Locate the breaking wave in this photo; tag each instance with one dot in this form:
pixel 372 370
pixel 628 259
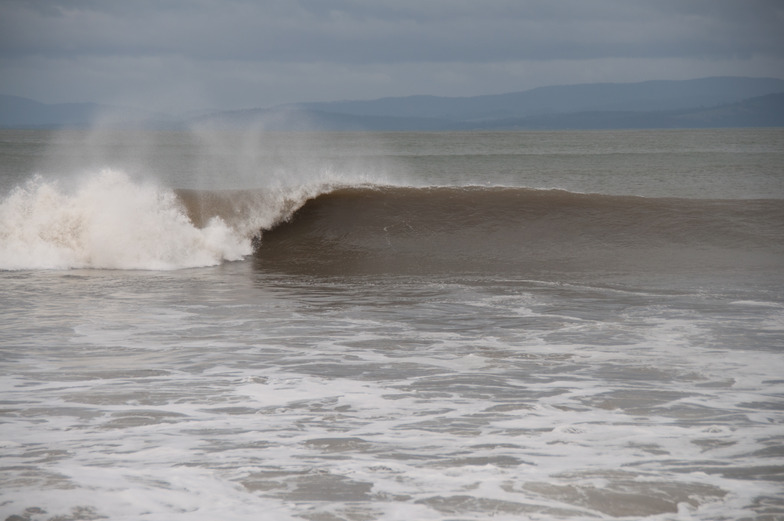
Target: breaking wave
pixel 110 221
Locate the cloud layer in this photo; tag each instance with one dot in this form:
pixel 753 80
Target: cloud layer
pixel 180 54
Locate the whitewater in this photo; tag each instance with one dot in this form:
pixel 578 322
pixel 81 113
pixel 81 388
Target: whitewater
pixel 471 325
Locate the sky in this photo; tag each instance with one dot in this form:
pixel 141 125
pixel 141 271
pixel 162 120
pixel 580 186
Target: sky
pixel 182 55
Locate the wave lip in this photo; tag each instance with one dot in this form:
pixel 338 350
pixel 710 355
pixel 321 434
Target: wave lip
pixel 108 222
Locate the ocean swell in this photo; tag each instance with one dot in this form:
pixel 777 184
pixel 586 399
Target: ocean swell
pixel 110 221
pixel 480 229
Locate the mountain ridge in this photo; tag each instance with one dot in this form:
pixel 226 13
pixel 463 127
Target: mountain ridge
pixel 647 95
pixel 718 101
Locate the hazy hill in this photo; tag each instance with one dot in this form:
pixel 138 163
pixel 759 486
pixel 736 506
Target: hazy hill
pixel 644 96
pixel 19 112
pixel 301 119
pixel 707 102
pixel 760 111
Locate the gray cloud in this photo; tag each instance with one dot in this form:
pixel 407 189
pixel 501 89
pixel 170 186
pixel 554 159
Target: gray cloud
pixel 233 53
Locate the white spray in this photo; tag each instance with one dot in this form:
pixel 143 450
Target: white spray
pixel 108 221
pixel 93 208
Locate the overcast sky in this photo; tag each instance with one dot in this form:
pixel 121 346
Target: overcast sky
pixel 176 55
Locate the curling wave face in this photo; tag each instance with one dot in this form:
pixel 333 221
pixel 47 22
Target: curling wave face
pixel 477 229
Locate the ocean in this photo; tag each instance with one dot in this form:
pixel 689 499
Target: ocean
pixel 249 325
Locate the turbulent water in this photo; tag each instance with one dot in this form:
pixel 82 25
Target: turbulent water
pixel 445 326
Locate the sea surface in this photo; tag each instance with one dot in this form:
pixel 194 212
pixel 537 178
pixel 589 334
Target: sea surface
pixel 245 325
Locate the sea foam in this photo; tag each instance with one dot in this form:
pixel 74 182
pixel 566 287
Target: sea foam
pixel 108 221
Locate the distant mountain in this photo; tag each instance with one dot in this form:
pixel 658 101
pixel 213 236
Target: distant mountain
pixel 644 96
pixel 707 102
pixel 292 118
pixel 760 111
pixel 19 112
